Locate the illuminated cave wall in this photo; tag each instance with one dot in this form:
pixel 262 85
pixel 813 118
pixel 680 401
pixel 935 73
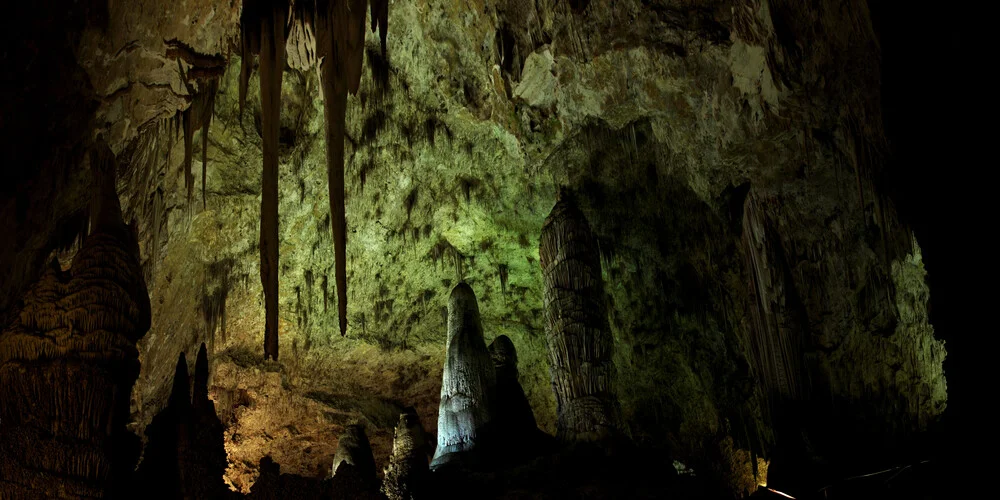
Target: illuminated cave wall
pixel 664 120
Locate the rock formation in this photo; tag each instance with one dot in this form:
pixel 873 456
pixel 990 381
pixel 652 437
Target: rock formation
pixel 353 448
pixel 407 471
pixel 264 30
pixel 512 412
pixel 185 454
pixel 468 382
pixel 68 362
pixel 577 331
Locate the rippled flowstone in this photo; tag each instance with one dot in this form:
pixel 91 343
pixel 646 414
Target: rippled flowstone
pixel 68 362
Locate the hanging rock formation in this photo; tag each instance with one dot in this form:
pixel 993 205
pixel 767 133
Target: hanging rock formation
pixel 577 331
pixel 68 362
pixel 468 382
pixel 264 29
pixel 407 470
pixel 340 43
pixel 185 455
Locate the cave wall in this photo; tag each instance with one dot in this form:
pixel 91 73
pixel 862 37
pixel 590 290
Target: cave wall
pixel 655 115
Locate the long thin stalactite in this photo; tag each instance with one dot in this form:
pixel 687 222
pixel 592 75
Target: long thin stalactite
pixel 265 29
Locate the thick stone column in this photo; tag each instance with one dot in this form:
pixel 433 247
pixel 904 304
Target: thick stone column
pixel 468 382
pixel 577 331
pixel 68 362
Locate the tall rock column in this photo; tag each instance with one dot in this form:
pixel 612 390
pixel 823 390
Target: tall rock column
pixel 468 382
pixel 577 332
pixel 68 362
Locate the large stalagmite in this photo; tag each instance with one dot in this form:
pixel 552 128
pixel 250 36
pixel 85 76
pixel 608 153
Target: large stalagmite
pixel 468 382
pixel 577 331
pixel 68 362
pixel 185 454
pixel 513 413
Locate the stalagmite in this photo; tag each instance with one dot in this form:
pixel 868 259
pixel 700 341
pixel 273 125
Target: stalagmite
pixel 513 415
pixel 353 448
pixel 185 455
pixel 68 362
pixel 468 382
pixel 407 470
pixel 264 30
pixel 577 331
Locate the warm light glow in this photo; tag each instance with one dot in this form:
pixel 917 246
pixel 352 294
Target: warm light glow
pixel 762 472
pixel 786 495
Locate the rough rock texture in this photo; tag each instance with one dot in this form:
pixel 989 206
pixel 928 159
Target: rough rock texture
pixel 658 111
pixel 468 384
pixel 353 448
pixel 406 475
pixel 577 331
pixel 68 360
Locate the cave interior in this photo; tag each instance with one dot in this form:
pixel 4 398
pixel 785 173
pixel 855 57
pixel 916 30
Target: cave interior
pixel 415 249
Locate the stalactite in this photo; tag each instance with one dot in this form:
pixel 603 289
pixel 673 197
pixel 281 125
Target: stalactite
pixel 340 39
pixel 264 31
pixel 206 124
pixel 772 350
pixel 187 118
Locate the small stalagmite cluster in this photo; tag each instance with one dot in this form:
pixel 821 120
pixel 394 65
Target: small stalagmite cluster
pixel 577 331
pixel 69 360
pixel 185 453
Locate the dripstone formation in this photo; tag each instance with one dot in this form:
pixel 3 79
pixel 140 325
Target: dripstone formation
pixel 407 471
pixel 354 449
pixel 513 416
pixel 185 454
pixel 68 362
pixel 577 332
pixel 468 382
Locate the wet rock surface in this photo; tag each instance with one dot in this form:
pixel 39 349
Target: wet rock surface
pixel 465 122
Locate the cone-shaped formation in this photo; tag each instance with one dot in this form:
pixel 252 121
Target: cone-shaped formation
pixel 513 415
pixel 185 454
pixel 68 362
pixel 468 382
pixel 406 474
pixel 198 116
pixel 264 29
pixel 577 332
pixel 354 449
pixel 340 43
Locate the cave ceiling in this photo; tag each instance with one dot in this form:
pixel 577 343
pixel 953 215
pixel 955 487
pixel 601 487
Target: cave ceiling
pixel 726 154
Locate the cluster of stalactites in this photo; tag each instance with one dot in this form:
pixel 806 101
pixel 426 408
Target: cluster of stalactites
pixel 772 349
pixel 331 31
